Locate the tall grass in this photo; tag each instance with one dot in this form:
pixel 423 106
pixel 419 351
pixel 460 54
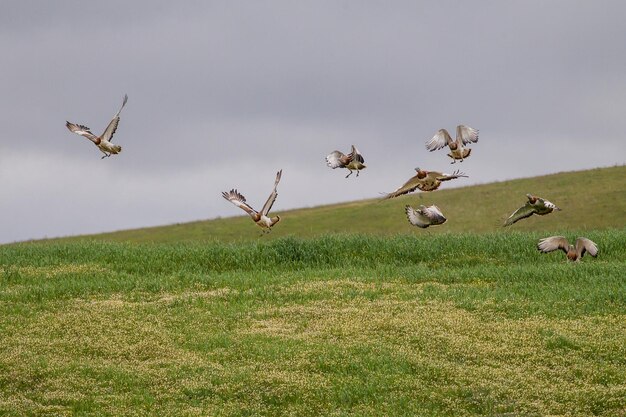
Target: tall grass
pixel 339 250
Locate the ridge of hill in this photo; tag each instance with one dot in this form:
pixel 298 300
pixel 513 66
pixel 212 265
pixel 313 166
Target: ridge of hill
pixel 476 208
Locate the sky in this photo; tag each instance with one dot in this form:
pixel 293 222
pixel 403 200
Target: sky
pixel 224 94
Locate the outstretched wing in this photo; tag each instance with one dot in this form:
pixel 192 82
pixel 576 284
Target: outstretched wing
pixel 416 217
pixel 336 159
pixel 521 213
pixel 585 245
pixel 112 127
pixel 466 134
pixel 553 243
pixel 447 177
pixel 441 139
pixel 270 200
pixel 83 131
pixel 408 187
pixel 240 201
pixel 355 155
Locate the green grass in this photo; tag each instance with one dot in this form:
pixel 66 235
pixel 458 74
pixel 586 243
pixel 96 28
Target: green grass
pixel 590 200
pixel 417 324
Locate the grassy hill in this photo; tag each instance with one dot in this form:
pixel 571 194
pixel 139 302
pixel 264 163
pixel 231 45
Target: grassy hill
pixel 382 319
pixel 592 199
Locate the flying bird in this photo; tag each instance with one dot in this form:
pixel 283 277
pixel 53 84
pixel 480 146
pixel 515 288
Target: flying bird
pixel 574 253
pixel 260 217
pixel 352 161
pixel 425 216
pixel 103 142
pixel 458 151
pixel 425 181
pixel 534 205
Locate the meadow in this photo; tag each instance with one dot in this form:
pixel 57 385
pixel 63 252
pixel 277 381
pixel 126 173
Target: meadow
pixel 341 310
pixel 424 324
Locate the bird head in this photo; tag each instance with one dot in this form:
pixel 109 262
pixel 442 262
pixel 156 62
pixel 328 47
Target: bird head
pixel 420 173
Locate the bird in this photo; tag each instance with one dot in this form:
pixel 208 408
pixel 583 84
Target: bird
pixel 425 181
pixel 534 205
pixel 260 217
pixel 103 142
pixel 352 161
pixel 424 216
pixel 574 253
pixel 464 135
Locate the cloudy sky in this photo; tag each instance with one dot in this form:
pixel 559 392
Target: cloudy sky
pixel 223 94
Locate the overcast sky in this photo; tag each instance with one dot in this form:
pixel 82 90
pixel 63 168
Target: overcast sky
pixel 223 94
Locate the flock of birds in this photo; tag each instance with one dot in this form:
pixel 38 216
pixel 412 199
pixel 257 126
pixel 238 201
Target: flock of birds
pixel 423 180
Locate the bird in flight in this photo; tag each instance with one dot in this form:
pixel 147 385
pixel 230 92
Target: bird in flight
pixel 103 142
pixel 425 216
pixel 425 181
pixel 260 217
pixel 574 253
pixel 534 205
pixel 352 161
pixel 458 151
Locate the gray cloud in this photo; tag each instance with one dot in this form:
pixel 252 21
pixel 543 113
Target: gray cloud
pixel 222 94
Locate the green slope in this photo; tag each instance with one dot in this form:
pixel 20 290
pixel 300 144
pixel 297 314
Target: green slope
pixel 591 199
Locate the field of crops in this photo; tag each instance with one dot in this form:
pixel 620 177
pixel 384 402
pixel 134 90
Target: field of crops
pixel 428 324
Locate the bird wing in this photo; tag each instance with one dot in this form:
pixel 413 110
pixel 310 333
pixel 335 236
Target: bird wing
pixel 447 177
pixel 553 243
pixel 466 134
pixel 408 186
pixel 356 155
pixel 585 245
pixel 83 131
pixel 434 214
pixel 112 127
pixel 240 201
pixel 270 200
pixel 440 140
pixel 336 159
pixel 417 217
pixel 521 213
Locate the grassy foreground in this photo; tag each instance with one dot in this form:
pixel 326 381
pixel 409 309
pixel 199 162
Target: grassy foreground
pixel 448 324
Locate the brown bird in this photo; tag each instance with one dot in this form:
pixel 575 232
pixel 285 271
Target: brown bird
pixel 103 142
pixel 574 253
pixel 534 205
pixel 352 161
pixel 260 217
pixel 464 135
pixel 425 181
pixel 424 216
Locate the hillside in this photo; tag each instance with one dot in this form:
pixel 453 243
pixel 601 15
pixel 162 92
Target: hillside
pixel 419 323
pixel 478 208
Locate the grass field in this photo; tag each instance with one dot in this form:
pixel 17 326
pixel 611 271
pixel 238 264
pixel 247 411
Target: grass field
pixel 426 324
pixel 590 200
